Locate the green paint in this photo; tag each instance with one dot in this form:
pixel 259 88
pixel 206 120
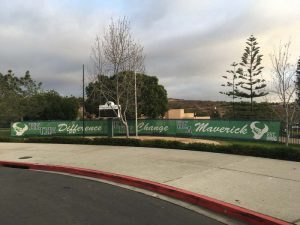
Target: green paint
pixel 249 130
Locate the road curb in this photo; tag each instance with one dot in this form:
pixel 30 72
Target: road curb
pixel 214 205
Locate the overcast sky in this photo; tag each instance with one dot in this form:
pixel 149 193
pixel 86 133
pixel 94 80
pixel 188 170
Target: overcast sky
pixel 189 44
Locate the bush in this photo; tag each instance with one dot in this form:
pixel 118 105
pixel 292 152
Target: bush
pixel 8 139
pixel 59 140
pixel 117 141
pixel 162 144
pixel 280 152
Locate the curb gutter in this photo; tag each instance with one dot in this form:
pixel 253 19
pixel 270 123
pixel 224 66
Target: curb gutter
pixel 214 205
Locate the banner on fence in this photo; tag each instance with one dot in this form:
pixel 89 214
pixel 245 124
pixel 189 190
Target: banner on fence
pixel 250 130
pixel 57 128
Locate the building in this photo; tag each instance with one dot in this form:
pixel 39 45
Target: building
pixel 180 114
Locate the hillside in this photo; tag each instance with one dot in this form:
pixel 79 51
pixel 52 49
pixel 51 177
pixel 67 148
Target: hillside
pixel 203 108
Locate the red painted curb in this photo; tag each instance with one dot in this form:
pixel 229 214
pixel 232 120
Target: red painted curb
pixel 180 194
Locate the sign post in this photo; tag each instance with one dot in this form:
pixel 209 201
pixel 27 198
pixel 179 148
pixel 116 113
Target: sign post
pixel 114 111
pixel 83 103
pixel 112 108
pixel 110 127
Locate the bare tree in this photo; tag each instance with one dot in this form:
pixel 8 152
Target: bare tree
pixel 115 56
pixel 284 84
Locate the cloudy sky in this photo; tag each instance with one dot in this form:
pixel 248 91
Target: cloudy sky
pixel 189 44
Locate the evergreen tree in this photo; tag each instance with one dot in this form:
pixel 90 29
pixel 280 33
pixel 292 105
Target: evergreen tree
pixel 298 81
pixel 153 100
pixel 252 83
pixel 232 83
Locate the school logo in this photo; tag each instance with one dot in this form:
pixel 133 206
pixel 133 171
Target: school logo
pixel 258 132
pixel 19 128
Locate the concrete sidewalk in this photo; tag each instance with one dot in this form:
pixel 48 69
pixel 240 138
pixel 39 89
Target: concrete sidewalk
pixel 271 187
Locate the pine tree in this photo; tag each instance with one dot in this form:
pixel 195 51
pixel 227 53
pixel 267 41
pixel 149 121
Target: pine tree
pixel 232 84
pixel 298 81
pixel 252 83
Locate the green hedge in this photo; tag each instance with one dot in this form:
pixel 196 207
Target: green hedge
pixel 280 152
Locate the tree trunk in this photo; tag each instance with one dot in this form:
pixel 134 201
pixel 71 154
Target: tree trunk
pixel 287 135
pixel 127 130
pixel 287 129
pixel 125 123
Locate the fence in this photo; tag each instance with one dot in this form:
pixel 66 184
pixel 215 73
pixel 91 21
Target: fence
pixel 294 135
pixel 246 130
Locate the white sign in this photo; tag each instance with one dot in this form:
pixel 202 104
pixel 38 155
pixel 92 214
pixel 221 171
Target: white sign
pixel 110 106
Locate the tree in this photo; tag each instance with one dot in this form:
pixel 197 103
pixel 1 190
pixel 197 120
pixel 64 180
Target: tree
pixel 56 107
pixel 22 98
pixel 298 81
pixel 116 55
pixel 18 96
pixel 30 89
pixel 8 97
pixel 70 107
pixel 252 82
pixel 153 97
pixel 284 84
pixel 232 83
pixel 153 101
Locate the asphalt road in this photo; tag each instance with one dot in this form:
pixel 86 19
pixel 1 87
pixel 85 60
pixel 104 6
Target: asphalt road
pixel 40 198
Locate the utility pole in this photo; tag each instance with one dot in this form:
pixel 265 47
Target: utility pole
pixel 135 103
pixel 83 108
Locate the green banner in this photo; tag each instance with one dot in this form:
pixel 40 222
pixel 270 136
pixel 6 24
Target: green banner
pixel 58 128
pixel 248 130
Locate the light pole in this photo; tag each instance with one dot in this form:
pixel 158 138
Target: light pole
pixel 135 103
pixel 83 105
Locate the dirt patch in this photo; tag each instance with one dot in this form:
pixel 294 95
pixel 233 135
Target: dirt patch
pixel 180 139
